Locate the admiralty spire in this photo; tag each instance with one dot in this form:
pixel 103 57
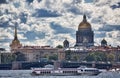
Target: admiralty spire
pixel 15 43
pixel 84 35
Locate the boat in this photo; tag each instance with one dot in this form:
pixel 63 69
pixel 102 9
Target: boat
pixel 49 70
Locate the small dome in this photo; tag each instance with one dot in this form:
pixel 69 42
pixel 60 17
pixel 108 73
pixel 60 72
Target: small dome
pixel 84 24
pixel 66 41
pixel 103 41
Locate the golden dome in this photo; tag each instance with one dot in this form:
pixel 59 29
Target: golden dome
pixel 84 24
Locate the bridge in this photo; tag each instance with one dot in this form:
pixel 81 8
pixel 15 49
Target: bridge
pixel 88 64
pixel 29 65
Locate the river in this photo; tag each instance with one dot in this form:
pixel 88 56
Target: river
pixel 26 74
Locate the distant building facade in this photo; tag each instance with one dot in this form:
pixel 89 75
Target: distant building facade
pixel 32 53
pixel 35 53
pixel 85 45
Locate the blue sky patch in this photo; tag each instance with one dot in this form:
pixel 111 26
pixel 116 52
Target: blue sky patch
pixel 31 35
pixel 60 29
pixel 45 13
pixel 2 1
pixel 23 17
pixel 75 10
pixel 89 1
pixel 116 6
pixel 100 35
pixel 110 28
pixel 17 4
pixel 30 1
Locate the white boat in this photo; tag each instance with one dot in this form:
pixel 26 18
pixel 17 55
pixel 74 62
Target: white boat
pixel 65 71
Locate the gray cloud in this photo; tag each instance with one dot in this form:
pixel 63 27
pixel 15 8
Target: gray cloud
pixel 110 28
pixel 60 29
pixel 45 13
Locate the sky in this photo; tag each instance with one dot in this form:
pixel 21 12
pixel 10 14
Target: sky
pixel 50 22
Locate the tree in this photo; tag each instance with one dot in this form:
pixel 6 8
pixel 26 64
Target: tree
pixel 59 46
pixel 20 56
pixel 53 57
pixel 90 57
pixel 7 58
pixel 111 57
pixel 96 56
pixel 75 58
pixel 119 58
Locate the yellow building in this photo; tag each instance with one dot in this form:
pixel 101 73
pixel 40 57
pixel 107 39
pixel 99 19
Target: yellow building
pixel 33 53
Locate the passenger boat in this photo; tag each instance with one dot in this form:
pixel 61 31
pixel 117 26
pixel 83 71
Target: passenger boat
pixel 49 70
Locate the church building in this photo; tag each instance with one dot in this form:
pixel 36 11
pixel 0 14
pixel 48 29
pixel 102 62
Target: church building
pixel 32 53
pixel 84 35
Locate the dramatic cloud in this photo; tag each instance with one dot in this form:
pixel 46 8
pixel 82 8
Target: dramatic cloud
pixel 2 1
pixel 58 29
pixel 49 22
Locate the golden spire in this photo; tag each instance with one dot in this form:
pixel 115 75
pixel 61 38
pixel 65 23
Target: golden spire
pixel 15 35
pixel 15 43
pixel 84 18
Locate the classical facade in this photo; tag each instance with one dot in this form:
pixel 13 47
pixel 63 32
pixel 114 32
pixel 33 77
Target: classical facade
pixel 36 53
pixel 33 53
pixel 84 35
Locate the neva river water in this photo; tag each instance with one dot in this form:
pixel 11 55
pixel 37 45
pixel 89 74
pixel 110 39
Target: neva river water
pixel 26 74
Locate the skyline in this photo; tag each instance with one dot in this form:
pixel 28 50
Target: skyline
pixel 44 22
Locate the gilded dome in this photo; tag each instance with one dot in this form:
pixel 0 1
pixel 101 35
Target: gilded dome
pixel 84 24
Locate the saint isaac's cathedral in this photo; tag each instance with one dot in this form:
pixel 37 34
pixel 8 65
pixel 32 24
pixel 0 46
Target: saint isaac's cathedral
pixel 84 35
